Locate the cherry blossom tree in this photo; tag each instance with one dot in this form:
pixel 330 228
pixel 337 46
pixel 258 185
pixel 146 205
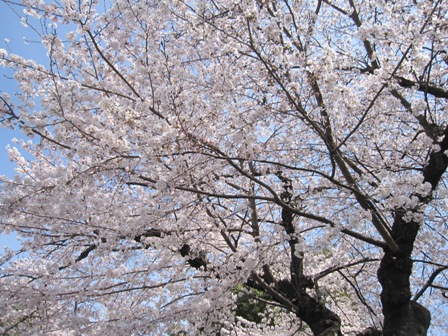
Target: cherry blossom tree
pixel 229 167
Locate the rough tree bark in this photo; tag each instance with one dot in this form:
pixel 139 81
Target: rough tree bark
pixel 401 315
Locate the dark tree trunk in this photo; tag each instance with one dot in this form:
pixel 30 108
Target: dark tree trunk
pixel 321 320
pixel 403 317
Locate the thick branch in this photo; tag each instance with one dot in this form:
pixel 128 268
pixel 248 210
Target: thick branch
pixel 433 90
pixel 438 162
pixel 401 315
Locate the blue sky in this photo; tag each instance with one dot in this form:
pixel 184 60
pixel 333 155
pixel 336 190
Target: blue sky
pixel 17 39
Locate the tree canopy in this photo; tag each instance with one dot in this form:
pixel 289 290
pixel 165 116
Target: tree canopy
pixel 229 167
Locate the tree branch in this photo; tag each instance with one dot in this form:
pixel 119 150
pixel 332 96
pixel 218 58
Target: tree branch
pixel 433 90
pixel 429 282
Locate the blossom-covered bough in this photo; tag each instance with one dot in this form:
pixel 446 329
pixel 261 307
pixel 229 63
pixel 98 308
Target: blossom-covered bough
pixel 191 161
